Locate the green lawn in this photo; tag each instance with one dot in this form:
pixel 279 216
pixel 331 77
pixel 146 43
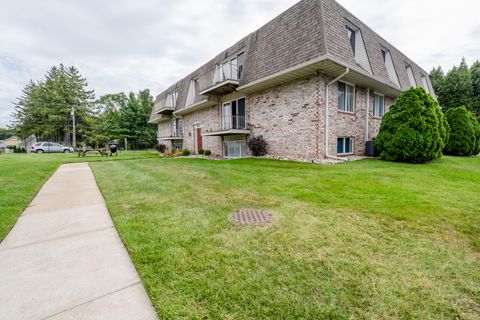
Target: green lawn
pixel 361 240
pixel 22 175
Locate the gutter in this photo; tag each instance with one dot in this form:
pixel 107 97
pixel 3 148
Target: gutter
pixel 367 114
pixel 347 70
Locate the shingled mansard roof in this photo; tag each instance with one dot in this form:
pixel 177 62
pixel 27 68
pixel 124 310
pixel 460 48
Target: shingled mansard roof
pixel 309 37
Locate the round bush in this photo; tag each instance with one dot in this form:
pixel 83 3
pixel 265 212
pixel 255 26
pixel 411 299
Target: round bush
pixel 464 133
pixel 208 152
pixel 185 152
pixel 413 130
pixel 258 146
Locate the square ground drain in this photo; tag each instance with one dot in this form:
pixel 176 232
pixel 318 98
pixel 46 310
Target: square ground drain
pixel 253 217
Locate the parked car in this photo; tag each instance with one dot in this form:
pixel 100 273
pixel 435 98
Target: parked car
pixel 50 147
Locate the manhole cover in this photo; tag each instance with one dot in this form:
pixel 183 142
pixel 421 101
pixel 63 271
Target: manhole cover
pixel 251 217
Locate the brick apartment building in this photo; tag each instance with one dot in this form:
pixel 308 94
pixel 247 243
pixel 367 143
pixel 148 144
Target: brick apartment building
pixel 314 82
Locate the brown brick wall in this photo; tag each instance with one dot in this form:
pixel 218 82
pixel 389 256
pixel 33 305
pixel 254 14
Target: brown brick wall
pixel 291 119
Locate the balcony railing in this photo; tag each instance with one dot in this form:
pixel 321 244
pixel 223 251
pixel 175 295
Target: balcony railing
pixel 177 133
pixel 234 122
pixel 225 71
pixel 225 80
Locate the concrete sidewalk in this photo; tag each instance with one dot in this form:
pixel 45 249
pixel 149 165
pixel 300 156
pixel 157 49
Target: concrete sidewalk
pixel 64 259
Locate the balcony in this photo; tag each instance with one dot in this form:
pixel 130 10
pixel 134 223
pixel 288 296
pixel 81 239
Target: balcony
pixel 165 109
pixel 174 136
pixel 225 80
pixel 231 125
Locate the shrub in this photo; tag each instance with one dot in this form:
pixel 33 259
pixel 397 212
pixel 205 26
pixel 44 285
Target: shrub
pixel 413 130
pixel 465 133
pixel 161 148
pixel 201 151
pixel 185 152
pixel 258 146
pixel 208 152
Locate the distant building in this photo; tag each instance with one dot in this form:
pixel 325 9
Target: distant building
pixel 315 82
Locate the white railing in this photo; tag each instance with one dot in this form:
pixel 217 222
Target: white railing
pixel 225 71
pixel 234 122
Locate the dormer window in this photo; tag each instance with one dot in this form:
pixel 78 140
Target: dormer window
pixel 411 77
pixel 387 59
pixel 172 99
pixel 231 69
pixel 358 46
pixel 425 84
pixel 352 37
pixel 192 92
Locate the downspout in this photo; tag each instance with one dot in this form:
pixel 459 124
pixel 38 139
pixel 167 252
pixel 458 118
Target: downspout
pixel 367 114
pixel 327 125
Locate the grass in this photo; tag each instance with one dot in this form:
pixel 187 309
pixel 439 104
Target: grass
pixel 22 175
pixel 361 240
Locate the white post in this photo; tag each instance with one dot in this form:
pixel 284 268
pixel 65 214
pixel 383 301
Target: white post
pixel 126 145
pixel 74 137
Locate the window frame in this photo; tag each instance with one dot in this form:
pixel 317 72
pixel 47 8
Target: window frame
pixel 232 121
pixel 346 97
pixel 425 83
pixel 409 67
pixel 377 94
pixel 351 144
pixel 353 42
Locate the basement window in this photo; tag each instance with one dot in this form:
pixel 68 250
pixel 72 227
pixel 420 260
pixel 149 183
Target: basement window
pixel 378 105
pixel 344 146
pixel 346 97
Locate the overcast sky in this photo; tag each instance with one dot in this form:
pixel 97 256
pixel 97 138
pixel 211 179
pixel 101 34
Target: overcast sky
pixel 127 45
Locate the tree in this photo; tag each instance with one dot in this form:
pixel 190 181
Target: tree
pixel 414 130
pixel 120 116
pixel 45 107
pixel 460 86
pixel 464 132
pixel 6 133
pixel 475 74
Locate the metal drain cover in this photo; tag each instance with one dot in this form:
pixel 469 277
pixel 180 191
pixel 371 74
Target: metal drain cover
pixel 252 217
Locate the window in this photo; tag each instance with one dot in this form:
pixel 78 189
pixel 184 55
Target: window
pixel 411 78
pixel 425 84
pixel 191 92
pixel 344 146
pixel 358 47
pixel 234 115
pixel 172 99
pixel 352 37
pixel 229 70
pixel 234 147
pixel 240 63
pixel 392 74
pixel 346 97
pixel 177 127
pixel 378 105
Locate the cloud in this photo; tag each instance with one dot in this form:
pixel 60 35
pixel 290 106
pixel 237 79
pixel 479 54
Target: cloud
pixel 127 45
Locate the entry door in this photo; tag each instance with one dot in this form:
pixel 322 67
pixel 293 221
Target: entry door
pixel 199 139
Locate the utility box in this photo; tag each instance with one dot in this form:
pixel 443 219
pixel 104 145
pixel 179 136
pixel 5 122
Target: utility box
pixel 370 149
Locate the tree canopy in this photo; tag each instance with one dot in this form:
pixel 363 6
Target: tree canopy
pixel 44 107
pixel 459 87
pixel 45 110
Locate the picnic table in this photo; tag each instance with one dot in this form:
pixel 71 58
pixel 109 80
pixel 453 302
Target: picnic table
pixel 83 152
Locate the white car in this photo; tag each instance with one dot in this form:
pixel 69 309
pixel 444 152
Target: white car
pixel 50 147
